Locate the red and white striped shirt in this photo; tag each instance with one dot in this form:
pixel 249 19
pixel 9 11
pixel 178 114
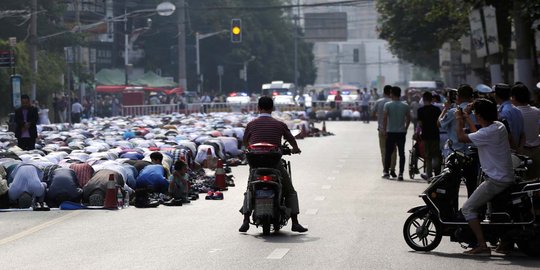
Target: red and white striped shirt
pixel 268 130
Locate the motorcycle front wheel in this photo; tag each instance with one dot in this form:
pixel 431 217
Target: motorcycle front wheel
pixel 421 232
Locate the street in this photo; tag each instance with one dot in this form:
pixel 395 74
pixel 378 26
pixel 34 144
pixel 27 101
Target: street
pixel 354 217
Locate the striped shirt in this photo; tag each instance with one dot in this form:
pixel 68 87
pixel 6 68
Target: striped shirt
pixel 266 129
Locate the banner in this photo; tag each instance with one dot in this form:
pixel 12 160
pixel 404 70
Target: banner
pixel 492 36
pixel 477 33
pixel 465 42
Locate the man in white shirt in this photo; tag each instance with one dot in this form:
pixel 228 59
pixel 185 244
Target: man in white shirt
pixel 531 117
pixel 76 110
pixel 495 159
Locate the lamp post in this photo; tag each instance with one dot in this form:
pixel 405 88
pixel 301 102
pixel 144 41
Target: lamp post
pixel 197 54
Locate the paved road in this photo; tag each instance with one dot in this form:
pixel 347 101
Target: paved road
pixel 354 217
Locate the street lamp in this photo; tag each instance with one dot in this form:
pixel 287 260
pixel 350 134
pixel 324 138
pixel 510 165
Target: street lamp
pixel 163 9
pixel 197 54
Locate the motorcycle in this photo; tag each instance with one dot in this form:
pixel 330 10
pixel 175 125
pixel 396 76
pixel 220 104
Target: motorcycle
pixel 264 194
pixel 514 214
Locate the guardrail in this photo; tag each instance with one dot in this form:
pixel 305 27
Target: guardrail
pixel 137 110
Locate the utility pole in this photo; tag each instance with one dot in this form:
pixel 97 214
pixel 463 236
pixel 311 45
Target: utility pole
pixel 77 7
pixel 33 47
pixel 296 17
pixel 182 81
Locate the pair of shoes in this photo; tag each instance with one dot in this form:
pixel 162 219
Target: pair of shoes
pixel 393 174
pixel 214 195
pixel 244 227
pixel 385 176
pixel 505 247
pixel 478 251
pixel 400 177
pixel 41 206
pixel 173 202
pixel 296 227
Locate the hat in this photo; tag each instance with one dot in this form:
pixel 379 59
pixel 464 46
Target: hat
pixel 484 89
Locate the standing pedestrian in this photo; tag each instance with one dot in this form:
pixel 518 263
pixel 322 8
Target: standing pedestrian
pixel 510 116
pixel 26 119
pixel 366 98
pixel 447 122
pixel 76 111
pixel 397 117
pixel 378 111
pixel 521 97
pixel 427 122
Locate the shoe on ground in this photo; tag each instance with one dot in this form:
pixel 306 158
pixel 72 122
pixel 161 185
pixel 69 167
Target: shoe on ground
pixel 393 174
pixel 25 200
pixel 425 176
pixel 244 227
pixel 296 227
pixel 400 177
pixel 385 176
pixel 96 199
pixel 173 202
pixel 478 251
pixel 505 247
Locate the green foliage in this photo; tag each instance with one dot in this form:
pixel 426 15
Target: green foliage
pixel 266 34
pixel 416 29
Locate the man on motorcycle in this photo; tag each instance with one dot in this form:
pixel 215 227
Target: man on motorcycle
pixel 495 159
pixel 269 130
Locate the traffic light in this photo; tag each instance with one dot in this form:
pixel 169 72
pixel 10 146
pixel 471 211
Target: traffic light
pixel 236 30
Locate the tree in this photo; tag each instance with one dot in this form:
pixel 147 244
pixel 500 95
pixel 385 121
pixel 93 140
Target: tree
pixel 416 29
pixel 267 34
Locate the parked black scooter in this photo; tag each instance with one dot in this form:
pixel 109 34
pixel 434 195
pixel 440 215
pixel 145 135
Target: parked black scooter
pixel 264 194
pixel 514 214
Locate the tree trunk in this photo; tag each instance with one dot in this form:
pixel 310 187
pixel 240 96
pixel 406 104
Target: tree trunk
pixel 523 64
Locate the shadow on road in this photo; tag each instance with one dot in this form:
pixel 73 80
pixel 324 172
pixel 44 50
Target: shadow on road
pixel 513 259
pixel 287 237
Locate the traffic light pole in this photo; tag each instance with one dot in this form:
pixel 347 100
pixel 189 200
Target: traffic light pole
pixel 198 37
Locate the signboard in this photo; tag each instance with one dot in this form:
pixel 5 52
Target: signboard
pixel 7 59
pixel 328 26
pixel 16 90
pixel 477 33
pixel 492 37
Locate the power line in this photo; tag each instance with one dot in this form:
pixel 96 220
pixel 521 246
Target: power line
pixel 263 8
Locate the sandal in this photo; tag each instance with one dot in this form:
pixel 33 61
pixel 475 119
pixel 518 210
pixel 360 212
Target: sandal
pixel 479 251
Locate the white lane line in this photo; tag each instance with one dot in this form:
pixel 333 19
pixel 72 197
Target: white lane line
pixel 214 250
pixel 278 253
pixel 335 171
pixel 312 211
pixel 331 178
pixel 37 228
pixel 320 198
pixel 326 187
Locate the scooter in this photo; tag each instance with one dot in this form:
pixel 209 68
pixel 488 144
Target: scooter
pixel 264 194
pixel 513 214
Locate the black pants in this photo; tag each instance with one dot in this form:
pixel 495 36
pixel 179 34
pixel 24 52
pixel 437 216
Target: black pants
pixel 470 173
pixel 394 139
pixel 75 117
pixel 27 143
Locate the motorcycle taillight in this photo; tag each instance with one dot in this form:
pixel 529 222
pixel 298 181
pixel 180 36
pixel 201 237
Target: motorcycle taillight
pixel 265 178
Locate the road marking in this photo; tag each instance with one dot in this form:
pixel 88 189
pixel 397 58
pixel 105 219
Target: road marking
pixel 320 198
pixel 214 250
pixel 37 228
pixel 312 211
pixel 278 253
pixel 331 178
pixel 335 171
pixel 326 187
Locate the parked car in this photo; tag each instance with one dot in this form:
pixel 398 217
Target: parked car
pixel 238 97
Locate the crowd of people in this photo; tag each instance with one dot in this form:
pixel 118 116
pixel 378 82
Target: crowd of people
pixel 488 126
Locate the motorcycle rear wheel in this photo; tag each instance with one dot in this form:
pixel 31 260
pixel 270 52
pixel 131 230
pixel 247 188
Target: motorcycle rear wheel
pixel 422 232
